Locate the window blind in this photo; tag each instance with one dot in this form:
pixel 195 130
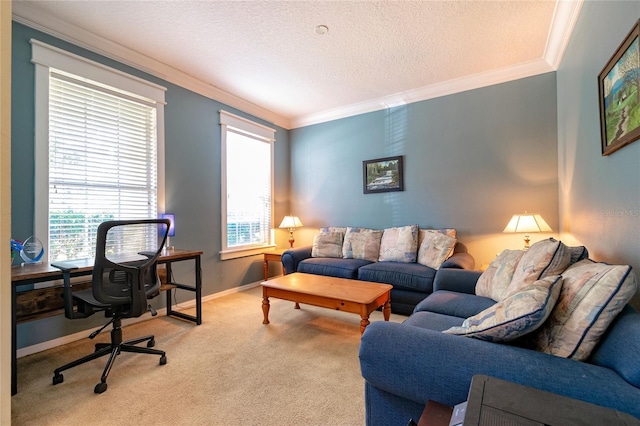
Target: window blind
pixel 102 162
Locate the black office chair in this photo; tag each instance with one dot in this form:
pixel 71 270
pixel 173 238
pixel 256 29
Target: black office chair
pixel 124 278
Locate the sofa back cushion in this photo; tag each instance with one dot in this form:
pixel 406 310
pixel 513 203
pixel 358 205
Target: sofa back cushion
pixel 591 297
pixel 495 280
pixel 362 243
pixel 399 244
pixel 327 244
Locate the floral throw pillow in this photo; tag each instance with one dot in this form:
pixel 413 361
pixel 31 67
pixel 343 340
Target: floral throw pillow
pixel 327 244
pixel 517 315
pixel 362 243
pixel 435 249
pixel 593 294
pixel 495 280
pixel 399 244
pixel 546 257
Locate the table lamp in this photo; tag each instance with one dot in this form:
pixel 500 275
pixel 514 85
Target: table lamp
pixel 291 223
pixel 526 223
pixel 172 229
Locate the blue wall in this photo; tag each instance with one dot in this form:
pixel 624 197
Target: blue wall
pixel 471 161
pixel 599 196
pixel 192 174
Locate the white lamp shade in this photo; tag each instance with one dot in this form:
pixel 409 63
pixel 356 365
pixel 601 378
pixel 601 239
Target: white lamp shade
pixel 290 222
pixel 527 222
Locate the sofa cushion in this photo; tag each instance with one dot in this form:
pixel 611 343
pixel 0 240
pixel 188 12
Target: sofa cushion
pixel 591 297
pixel 341 268
pixel 451 303
pixel 495 280
pixel 435 248
pixel 518 314
pixel 362 243
pixel 327 244
pixel 433 321
pixel 408 276
pixel 399 244
pixel 544 258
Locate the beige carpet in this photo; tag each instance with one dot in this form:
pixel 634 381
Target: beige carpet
pixel 302 369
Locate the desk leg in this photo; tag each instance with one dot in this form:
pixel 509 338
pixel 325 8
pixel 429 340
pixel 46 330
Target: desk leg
pixel 169 279
pixel 14 361
pixel 198 291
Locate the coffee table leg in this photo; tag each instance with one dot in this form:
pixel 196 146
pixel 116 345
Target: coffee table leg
pixel 364 322
pixel 297 306
pixel 265 309
pixel 386 310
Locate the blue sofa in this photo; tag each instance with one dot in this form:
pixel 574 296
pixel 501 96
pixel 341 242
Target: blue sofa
pixel 412 282
pixel 406 364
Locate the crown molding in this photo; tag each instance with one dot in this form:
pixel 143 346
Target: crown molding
pixel 564 21
pixel 35 18
pixel 489 78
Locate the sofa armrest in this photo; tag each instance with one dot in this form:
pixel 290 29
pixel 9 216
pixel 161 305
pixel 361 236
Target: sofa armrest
pixel 459 261
pixel 459 280
pixel 292 257
pixel 420 364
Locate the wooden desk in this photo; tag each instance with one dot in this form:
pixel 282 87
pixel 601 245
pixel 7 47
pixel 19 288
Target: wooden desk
pixel 272 256
pixel 42 272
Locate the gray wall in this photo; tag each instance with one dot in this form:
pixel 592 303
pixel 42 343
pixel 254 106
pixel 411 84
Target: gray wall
pixel 599 196
pixel 471 161
pixel 192 174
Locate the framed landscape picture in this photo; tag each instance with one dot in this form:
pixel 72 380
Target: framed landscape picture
pixel 382 175
pixel 619 93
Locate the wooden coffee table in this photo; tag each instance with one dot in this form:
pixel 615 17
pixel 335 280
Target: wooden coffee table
pixel 341 294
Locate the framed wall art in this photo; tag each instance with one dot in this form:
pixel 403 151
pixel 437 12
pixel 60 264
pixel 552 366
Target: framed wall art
pixel 619 93
pixel 382 175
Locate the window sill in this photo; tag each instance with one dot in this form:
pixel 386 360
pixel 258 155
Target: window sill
pixel 254 251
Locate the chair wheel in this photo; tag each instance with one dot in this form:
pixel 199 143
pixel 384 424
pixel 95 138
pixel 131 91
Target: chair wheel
pixel 100 388
pixel 163 360
pixel 58 378
pixel 151 343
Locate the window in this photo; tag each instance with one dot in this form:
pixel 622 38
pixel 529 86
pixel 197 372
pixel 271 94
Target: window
pixel 99 150
pixel 247 186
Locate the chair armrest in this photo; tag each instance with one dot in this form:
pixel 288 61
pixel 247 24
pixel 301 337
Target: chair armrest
pixel 459 280
pixel 67 290
pixel 459 261
pixel 292 257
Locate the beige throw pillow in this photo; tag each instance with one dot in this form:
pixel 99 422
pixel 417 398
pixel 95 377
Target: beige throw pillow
pixel 435 249
pixel 519 314
pixel 495 280
pixel 399 244
pixel 591 297
pixel 544 258
pixel 361 243
pixel 327 244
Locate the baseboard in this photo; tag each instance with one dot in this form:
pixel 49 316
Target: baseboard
pixel 49 344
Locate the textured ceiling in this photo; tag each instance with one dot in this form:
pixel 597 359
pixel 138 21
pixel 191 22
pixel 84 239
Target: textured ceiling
pixel 268 53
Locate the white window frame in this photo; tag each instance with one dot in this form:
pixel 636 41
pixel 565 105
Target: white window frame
pixel 46 58
pixel 263 133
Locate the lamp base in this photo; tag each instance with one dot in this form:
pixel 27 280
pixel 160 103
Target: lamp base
pixel 526 242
